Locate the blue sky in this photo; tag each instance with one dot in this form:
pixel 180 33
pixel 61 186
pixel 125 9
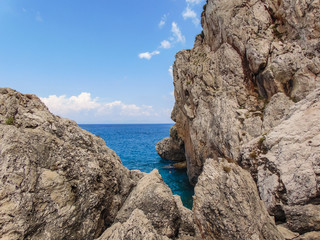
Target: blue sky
pixel 97 61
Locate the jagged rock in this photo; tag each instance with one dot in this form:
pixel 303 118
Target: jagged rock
pixel 286 233
pixel 57 180
pixel 137 227
pixel 247 53
pixel 303 218
pixel 227 204
pixel 309 236
pixel 171 148
pixel 285 162
pixel 155 199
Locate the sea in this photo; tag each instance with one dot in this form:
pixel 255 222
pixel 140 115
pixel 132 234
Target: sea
pixel 135 144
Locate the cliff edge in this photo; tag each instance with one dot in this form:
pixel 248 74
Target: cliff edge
pixel 248 92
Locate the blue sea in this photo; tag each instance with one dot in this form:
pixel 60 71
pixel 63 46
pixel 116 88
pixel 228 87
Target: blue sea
pixel 135 144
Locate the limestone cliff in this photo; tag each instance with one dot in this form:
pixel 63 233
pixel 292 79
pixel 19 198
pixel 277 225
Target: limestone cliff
pixel 58 181
pixel 249 92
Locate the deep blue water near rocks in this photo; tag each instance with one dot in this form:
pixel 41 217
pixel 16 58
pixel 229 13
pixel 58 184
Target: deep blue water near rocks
pixel 135 144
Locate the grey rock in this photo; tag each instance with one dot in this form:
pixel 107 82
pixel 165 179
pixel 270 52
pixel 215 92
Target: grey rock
pixel 137 227
pixel 303 219
pixel 171 148
pixel 227 204
pixel 309 236
pixel 286 233
pixel 57 180
pixel 285 162
pixel 158 204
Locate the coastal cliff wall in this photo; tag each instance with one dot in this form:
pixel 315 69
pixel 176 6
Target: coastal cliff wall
pixel 248 92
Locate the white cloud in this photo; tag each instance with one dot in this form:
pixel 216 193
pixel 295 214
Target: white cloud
pixel 165 44
pixel 148 55
pixel 194 1
pixel 177 33
pixel 189 13
pixel 163 21
pixel 84 108
pixel 61 104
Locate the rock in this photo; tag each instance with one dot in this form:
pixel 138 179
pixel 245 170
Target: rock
pixel 309 236
pixel 156 201
pixel 171 148
pixel 285 162
pixel 180 165
pixel 227 204
pixel 303 218
pixel 137 227
pixel 246 54
pixel 288 235
pixel 57 180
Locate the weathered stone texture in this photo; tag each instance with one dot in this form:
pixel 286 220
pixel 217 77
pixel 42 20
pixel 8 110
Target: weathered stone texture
pixel 227 204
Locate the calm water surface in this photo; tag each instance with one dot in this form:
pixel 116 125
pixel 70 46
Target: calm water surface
pixel 135 144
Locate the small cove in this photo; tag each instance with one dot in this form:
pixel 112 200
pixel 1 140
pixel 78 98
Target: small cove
pixel 135 144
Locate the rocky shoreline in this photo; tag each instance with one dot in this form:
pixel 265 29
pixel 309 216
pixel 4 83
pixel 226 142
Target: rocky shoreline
pixel 247 116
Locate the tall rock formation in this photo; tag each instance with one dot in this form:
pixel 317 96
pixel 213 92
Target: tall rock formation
pixel 249 92
pixel 247 53
pixel 58 181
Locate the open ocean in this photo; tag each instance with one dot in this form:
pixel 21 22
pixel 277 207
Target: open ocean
pixel 135 144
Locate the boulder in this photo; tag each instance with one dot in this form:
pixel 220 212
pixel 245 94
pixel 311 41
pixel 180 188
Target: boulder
pixel 171 148
pixel 227 204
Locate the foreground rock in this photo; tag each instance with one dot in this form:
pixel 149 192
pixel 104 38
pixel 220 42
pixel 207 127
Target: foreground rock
pixel 61 182
pixel 227 204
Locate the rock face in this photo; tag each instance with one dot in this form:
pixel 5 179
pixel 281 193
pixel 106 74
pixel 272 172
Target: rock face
pixel 249 92
pixel 248 52
pixel 227 204
pixel 61 182
pixel 171 148
pixel 285 162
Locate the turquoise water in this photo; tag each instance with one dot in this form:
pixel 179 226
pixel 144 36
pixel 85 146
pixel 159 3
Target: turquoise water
pixel 135 144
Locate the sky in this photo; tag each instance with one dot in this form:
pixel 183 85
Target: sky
pixel 97 61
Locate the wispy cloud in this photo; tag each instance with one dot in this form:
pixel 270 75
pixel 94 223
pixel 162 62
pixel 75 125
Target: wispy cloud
pixel 165 44
pixel 194 1
pixel 177 33
pixel 163 21
pixel 148 55
pixel 76 107
pixel 189 13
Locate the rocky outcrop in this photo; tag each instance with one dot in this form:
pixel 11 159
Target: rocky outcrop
pixel 227 204
pixel 61 182
pixel 285 162
pixel 159 205
pixel 248 52
pixel 249 92
pixel 171 148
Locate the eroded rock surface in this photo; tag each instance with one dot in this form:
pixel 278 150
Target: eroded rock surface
pixel 227 204
pixel 58 181
pixel 171 148
pixel 248 91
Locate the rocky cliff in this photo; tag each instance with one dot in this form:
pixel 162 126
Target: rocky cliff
pixel 58 181
pixel 248 92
